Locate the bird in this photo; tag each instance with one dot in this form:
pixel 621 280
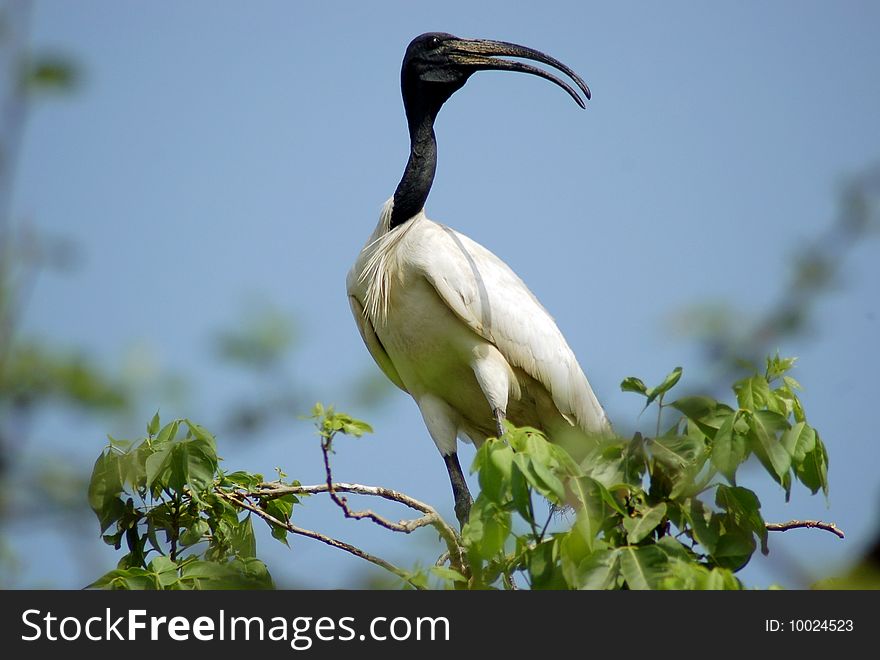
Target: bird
pixel 445 319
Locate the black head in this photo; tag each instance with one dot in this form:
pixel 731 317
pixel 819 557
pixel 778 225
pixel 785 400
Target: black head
pixel 437 64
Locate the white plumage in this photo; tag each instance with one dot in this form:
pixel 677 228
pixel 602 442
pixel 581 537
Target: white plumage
pixel 451 324
pixel 444 318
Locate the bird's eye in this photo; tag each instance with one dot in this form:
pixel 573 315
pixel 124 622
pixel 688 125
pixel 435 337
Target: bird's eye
pixel 433 42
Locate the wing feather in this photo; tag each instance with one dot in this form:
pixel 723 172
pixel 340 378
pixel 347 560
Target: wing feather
pixel 374 345
pixel 495 303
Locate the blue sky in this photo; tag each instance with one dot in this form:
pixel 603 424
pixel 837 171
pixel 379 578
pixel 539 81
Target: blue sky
pixel 215 153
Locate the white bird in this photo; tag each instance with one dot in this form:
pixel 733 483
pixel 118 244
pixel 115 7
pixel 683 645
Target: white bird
pixel 445 319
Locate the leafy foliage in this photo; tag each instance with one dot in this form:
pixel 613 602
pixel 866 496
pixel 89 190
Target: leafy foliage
pixel 330 422
pixel 169 502
pixel 641 511
pixel 661 512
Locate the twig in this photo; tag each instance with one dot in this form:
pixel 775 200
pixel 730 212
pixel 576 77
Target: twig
pixel 795 524
pixel 430 517
pixel 271 490
pixel 336 543
pixel 405 526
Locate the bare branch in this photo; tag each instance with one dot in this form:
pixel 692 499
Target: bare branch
pixel 274 489
pixel 242 502
pixel 403 526
pixel 795 524
pixel 431 517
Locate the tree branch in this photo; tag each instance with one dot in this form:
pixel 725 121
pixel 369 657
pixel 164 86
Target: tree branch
pixel 242 502
pixel 795 524
pixel 430 517
pixel 271 490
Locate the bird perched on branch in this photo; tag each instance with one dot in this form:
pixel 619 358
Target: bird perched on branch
pixel 445 319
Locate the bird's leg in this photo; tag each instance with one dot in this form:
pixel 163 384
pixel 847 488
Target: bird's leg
pixel 459 489
pixel 499 421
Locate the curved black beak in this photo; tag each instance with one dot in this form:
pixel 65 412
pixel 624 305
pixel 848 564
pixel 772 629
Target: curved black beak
pixel 482 54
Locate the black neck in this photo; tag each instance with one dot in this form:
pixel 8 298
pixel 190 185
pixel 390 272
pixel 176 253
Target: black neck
pixel 414 186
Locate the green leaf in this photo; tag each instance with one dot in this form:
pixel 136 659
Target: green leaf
pixel 777 366
pixel 243 540
pixel 168 432
pixel 707 413
pixel 607 497
pixel 719 579
pixel 643 567
pixel 562 461
pixel 113 539
pixel 134 466
pixel 156 467
pixel 201 434
pixel 280 508
pixel 165 569
pixel 193 464
pixel 614 463
pixel 679 451
pixel 522 496
pixel 552 484
pixel 106 481
pixel 593 496
pixel 540 477
pixel 112 511
pixel 244 479
pixel 280 534
pixel 575 546
pixel 799 441
pixel 790 403
pixel 236 574
pixel 446 573
pixel 153 426
pixel 705 525
pixel 763 427
pixel 673 548
pixel 734 548
pixel 686 575
pixel 495 467
pixel 356 428
pixel 729 449
pixel 487 529
pixel 752 393
pixel 543 569
pixel 744 510
pixel 151 532
pixel 126 579
pixel 194 533
pixel 330 422
pixel 792 383
pixel 677 461
pixel 668 383
pixel 813 471
pixel 633 384
pixel 600 570
pixel 695 407
pixel 638 528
